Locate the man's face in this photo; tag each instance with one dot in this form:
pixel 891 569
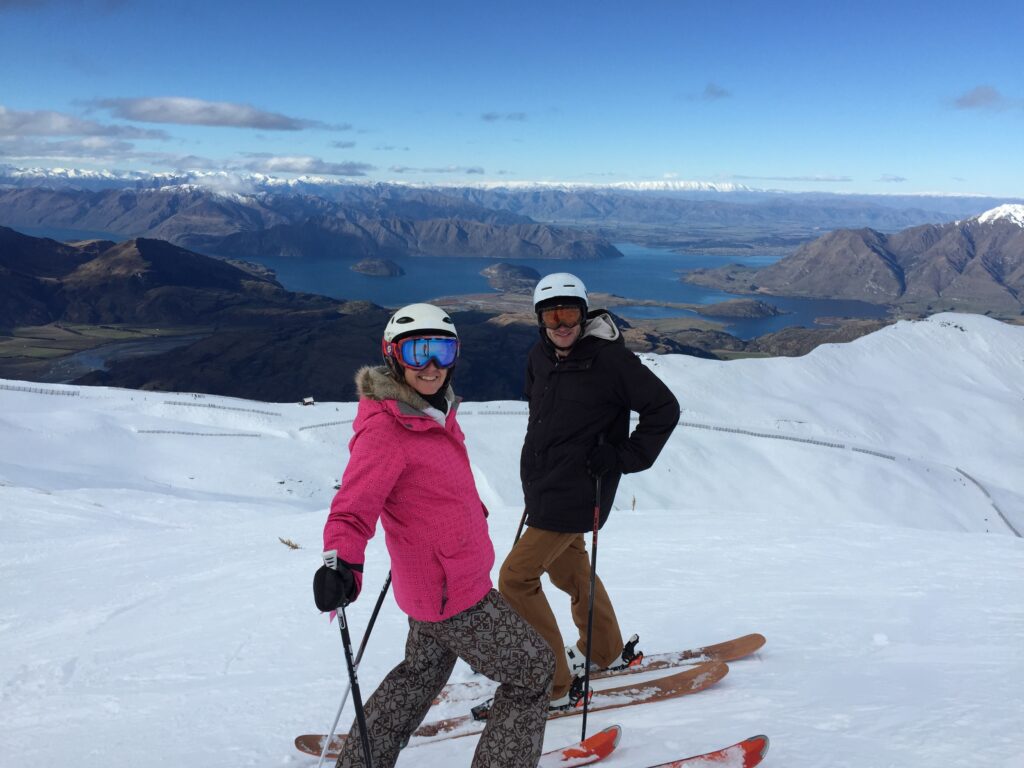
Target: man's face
pixel 563 324
pixel 562 337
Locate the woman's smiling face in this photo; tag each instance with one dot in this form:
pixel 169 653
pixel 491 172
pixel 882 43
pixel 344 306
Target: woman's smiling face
pixel 427 381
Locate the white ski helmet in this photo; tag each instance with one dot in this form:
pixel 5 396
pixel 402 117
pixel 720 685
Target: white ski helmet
pixel 419 319
pixel 415 320
pixel 560 285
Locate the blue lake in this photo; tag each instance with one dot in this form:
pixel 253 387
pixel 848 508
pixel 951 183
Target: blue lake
pixel 643 273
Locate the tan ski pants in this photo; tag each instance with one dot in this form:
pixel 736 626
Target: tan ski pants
pixel 563 557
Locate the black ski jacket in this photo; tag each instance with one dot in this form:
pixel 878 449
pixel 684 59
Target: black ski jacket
pixel 574 401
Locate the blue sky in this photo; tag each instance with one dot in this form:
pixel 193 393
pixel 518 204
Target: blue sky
pixel 873 97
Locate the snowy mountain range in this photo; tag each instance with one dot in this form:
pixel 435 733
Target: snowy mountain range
pixel 97 179
pixel 255 182
pixel 678 206
pixel 861 506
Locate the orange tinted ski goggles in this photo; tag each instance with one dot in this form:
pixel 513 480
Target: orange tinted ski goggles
pixel 557 317
pixel 560 316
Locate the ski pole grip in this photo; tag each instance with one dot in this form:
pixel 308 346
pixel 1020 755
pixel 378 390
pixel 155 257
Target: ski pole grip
pixel 333 584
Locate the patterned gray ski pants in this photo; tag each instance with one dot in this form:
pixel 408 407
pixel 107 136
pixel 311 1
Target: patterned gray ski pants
pixel 494 640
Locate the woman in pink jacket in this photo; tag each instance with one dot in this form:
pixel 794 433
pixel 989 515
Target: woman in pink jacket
pixel 409 468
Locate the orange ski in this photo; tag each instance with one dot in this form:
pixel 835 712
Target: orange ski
pixel 745 754
pixel 595 747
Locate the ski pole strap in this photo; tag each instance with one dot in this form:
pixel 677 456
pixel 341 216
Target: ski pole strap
pixel 331 560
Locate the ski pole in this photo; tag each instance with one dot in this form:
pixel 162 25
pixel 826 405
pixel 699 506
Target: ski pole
pixel 593 586
pixel 359 657
pixel 357 698
pixel 522 522
pixel 331 561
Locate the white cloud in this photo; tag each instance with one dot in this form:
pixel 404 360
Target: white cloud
pixel 50 123
pixel 815 179
pixel 472 170
pixel 714 92
pixel 493 117
pixel 90 150
pixel 187 111
pixel 981 97
pixel 91 147
pixel 304 164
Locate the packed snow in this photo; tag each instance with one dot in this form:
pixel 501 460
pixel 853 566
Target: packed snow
pixel 862 507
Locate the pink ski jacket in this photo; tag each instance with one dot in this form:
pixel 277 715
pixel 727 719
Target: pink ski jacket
pixel 413 474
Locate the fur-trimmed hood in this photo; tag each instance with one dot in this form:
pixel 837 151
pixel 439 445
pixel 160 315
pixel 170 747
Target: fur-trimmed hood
pixel 377 383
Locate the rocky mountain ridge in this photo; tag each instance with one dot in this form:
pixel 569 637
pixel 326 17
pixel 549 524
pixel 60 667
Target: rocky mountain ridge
pixel 975 264
pixel 136 281
pixel 268 225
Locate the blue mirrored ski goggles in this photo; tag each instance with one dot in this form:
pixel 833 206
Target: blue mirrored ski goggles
pixel 417 352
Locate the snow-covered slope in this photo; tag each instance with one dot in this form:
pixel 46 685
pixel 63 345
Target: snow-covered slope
pixel 860 506
pixel 1011 212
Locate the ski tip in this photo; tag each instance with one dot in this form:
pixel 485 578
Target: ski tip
pixel 594 747
pixel 614 729
pixel 706 674
pixel 754 749
pixel 764 743
pixel 606 740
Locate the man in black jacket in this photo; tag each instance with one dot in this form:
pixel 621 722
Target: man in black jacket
pixel 581 383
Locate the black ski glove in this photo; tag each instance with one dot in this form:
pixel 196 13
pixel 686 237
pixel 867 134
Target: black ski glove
pixel 332 588
pixel 602 460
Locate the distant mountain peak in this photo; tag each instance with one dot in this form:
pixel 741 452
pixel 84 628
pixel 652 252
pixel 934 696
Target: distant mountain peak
pixel 1013 213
